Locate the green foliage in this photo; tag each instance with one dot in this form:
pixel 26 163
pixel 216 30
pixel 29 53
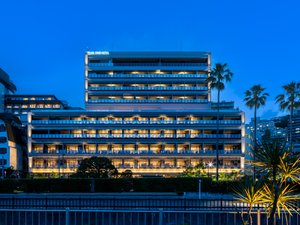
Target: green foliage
pixel 196 171
pixel 280 174
pixel 218 76
pixel 291 98
pixel 178 185
pixel 96 167
pixel 126 174
pixel 255 96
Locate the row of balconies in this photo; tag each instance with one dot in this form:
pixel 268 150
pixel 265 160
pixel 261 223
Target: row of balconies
pixel 130 166
pixel 147 100
pixel 135 136
pixel 138 152
pixel 138 88
pixel 147 76
pixel 158 64
pixel 221 122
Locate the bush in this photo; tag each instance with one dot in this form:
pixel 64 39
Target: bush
pixel 178 185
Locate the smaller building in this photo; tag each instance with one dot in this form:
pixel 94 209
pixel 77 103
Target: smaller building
pixel 13 152
pixel 20 105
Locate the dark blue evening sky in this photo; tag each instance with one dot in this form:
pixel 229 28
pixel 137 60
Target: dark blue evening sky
pixel 42 43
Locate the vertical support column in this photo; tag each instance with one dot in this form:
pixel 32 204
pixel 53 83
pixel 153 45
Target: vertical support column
pixel 67 216
pixel 258 217
pixel 160 217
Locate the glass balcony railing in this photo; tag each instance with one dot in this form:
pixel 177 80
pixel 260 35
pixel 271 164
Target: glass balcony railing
pixel 204 136
pixel 137 152
pixel 146 64
pixel 138 88
pixel 94 75
pixel 147 101
pixel 79 122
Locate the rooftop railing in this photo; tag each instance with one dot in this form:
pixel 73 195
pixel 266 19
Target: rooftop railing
pixel 146 64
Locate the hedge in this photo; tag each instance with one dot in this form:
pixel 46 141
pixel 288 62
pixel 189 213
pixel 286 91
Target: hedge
pixel 178 185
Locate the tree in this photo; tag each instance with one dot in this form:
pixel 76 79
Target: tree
pixel 126 174
pixel 249 193
pixel 254 98
pixel 216 80
pixel 96 167
pixel 290 100
pixel 280 172
pixel 196 171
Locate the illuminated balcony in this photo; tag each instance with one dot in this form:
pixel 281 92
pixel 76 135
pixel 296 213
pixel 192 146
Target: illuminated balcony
pixel 137 152
pixel 148 101
pixel 94 75
pixel 138 88
pixel 79 122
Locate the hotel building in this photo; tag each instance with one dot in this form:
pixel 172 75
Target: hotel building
pixel 150 112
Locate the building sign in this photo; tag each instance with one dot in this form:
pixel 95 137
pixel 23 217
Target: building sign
pixel 98 53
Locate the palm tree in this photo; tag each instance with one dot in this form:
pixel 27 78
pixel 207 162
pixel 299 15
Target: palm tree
pixel 290 100
pixel 275 160
pixel 254 98
pixel 279 169
pixel 216 80
pixel 249 193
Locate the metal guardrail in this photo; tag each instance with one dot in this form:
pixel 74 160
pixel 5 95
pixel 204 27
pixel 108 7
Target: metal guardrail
pixel 140 217
pixel 48 202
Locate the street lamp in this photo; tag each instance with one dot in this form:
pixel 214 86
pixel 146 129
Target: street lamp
pixel 209 166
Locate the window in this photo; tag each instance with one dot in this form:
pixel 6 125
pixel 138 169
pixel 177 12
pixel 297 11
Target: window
pixel 2 139
pixel 3 162
pixel 2 127
pixel 3 150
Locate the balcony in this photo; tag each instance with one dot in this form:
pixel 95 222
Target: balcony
pixel 206 136
pixel 138 88
pixel 137 152
pixel 83 122
pixel 147 101
pixel 94 75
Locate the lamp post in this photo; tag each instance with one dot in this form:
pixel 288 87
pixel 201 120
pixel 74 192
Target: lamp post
pixel 199 185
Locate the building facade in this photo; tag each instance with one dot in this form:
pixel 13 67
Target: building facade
pixel 150 112
pixel 6 87
pixel 20 105
pixel 13 152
